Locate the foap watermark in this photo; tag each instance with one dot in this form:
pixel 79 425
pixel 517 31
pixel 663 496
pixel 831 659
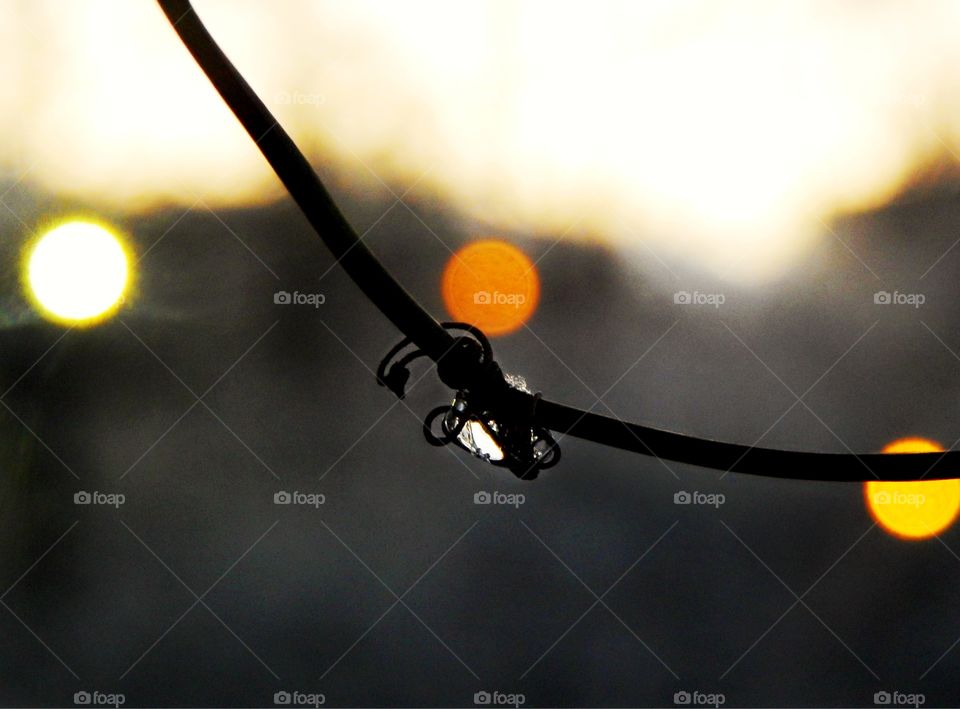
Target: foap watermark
pixel 485 297
pixel 282 297
pixel 284 698
pixel 912 499
pixel 98 699
pixel 309 499
pixel 514 499
pixel 300 98
pixel 884 698
pixel 885 297
pixel 683 698
pixel 713 499
pixel 111 499
pixel 499 699
pixel 914 100
pixel 683 297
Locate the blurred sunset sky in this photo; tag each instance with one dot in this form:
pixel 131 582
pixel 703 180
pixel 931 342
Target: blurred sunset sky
pixel 727 134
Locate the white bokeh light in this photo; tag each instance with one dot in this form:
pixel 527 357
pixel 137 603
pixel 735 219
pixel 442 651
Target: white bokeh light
pixel 77 273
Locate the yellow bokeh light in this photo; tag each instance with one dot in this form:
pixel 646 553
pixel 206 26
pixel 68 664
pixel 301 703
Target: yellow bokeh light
pixel 917 509
pixel 77 273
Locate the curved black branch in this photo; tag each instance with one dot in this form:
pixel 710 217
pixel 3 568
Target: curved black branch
pixel 426 333
pixel 304 186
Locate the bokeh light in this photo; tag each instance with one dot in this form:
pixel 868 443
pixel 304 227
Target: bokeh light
pixel 913 510
pixel 491 284
pixel 77 273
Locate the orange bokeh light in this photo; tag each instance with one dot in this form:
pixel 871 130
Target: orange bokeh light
pixel 491 284
pixel 916 509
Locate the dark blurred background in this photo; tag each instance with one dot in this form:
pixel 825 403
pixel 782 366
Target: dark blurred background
pixel 300 598
pixel 399 590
